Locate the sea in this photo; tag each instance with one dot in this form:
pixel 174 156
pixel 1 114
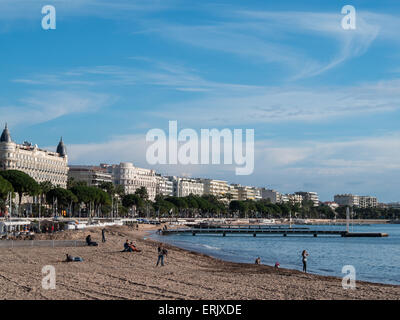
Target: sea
pixel 374 259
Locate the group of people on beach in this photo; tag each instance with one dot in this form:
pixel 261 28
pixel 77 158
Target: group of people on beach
pixel 130 247
pixel 304 256
pixel 162 252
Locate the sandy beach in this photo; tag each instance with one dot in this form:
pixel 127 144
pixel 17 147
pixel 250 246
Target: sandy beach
pixel 106 273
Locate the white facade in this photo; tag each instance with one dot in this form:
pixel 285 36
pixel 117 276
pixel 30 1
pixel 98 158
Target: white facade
pixel 246 192
pixel 356 201
pixel 283 198
pixel 310 196
pixel 41 165
pixel 332 205
pixel 165 186
pixel 295 198
pixel 183 187
pixel 217 188
pixel 257 194
pixel 234 192
pixel 368 202
pixel 132 178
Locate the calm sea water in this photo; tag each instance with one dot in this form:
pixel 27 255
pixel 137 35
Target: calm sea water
pixel 375 259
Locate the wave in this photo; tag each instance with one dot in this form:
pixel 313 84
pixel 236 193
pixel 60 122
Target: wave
pixel 210 247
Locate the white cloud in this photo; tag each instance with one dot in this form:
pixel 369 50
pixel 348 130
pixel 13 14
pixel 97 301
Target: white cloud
pixel 268 37
pixel 43 106
pixel 157 73
pixel 272 104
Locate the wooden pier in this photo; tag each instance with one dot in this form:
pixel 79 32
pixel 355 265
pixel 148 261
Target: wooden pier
pixel 272 231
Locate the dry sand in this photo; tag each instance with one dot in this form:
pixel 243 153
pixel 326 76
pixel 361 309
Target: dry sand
pixel 107 273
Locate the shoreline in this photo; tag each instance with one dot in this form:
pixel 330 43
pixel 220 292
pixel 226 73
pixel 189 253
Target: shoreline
pixel 106 273
pixel 169 245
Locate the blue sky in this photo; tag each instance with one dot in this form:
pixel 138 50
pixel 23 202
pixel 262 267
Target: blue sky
pixel 324 102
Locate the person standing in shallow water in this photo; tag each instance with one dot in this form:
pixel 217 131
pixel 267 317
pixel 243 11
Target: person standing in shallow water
pixel 304 256
pixel 103 235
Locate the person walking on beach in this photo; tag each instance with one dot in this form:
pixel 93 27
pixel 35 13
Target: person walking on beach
pixel 103 235
pixel 304 256
pixel 161 253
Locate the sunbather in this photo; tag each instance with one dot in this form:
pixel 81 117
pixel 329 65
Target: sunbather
pixel 73 259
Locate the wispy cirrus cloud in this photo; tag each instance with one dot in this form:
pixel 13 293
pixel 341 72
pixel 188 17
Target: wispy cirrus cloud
pixel 282 104
pixel 156 73
pixel 269 37
pixel 247 104
pixel 43 106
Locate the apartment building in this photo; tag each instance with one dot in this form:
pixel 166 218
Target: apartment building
pixel 165 186
pixel 216 188
pixel 368 202
pixel 184 187
pixel 309 196
pixel 92 175
pixel 271 195
pixel 350 200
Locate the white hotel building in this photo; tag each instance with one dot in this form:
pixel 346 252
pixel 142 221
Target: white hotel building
pixel 132 178
pixel 165 186
pixel 184 187
pixel 217 188
pixel 41 165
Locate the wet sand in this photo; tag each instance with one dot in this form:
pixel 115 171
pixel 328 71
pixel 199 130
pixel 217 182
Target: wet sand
pixel 107 273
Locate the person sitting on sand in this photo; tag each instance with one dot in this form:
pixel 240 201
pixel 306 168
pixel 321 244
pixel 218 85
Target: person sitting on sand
pixel 133 247
pixel 127 248
pixel 90 242
pixel 258 260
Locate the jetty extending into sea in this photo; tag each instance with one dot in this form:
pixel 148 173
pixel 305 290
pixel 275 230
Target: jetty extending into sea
pixel 255 230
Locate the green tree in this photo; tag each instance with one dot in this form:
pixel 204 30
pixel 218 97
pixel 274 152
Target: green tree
pixel 5 188
pixel 22 183
pixel 91 195
pixel 72 182
pixel 142 193
pixel 133 200
pixel 64 197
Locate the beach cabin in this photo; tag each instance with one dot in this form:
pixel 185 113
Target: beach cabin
pixel 14 227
